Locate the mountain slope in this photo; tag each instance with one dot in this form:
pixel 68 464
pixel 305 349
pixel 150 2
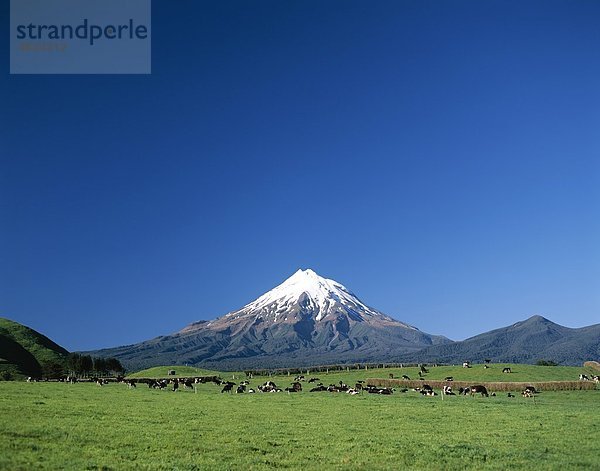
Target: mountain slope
pixel 25 351
pixel 524 342
pixel 305 320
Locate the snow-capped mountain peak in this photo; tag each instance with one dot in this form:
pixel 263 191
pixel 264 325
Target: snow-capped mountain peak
pixel 306 293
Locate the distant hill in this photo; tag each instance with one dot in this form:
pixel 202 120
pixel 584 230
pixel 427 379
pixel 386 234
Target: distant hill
pixel 23 351
pixel 524 342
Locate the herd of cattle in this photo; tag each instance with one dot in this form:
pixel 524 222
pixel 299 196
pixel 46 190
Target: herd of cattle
pixel 316 385
pixel 174 384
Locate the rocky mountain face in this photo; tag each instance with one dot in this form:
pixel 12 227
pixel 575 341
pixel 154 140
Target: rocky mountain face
pixel 536 338
pixel 306 320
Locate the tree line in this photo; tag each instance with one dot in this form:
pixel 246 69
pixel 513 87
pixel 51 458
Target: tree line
pixel 86 365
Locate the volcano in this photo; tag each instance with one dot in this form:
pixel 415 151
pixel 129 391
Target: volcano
pixel 307 320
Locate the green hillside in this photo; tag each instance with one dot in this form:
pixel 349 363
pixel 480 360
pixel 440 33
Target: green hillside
pixel 180 371
pixel 25 352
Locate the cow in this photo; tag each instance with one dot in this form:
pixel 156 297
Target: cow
pixel 175 385
pixel 318 388
pixel 405 377
pixel 449 378
pixel 391 375
pixel 466 364
pixel 241 389
pixel 596 378
pixel 478 388
pixel 313 380
pixel 269 386
pixel 485 367
pixel 228 387
pixel 511 395
pixel 447 390
pixel 422 369
pixel 529 391
pixel 506 370
pixel 487 360
pixel 130 384
pixel 583 377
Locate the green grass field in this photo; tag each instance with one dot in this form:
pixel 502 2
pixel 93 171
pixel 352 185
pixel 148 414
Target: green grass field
pixel 84 426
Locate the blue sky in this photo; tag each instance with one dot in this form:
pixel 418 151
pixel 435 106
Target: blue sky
pixel 440 159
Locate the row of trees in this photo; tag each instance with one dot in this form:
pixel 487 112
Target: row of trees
pixel 85 365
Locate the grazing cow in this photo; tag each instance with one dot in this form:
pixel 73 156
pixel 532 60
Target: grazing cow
pixel 228 387
pixel 241 389
pixel 529 391
pixel 478 388
pixel 583 377
pixel 188 383
pixel 466 364
pixel 596 378
pixel 447 390
pixel 405 377
pixel 130 384
pixel 449 378
pixel 506 370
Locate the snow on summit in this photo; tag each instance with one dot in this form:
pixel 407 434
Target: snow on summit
pixel 307 293
pixel 321 291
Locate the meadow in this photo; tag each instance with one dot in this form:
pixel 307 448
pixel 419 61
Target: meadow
pixel 84 426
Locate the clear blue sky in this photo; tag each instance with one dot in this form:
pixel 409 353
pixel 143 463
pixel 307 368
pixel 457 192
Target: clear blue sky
pixel 441 159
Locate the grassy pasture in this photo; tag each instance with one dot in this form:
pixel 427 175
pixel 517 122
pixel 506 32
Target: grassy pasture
pixel 84 426
pixel 180 372
pixel 520 373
